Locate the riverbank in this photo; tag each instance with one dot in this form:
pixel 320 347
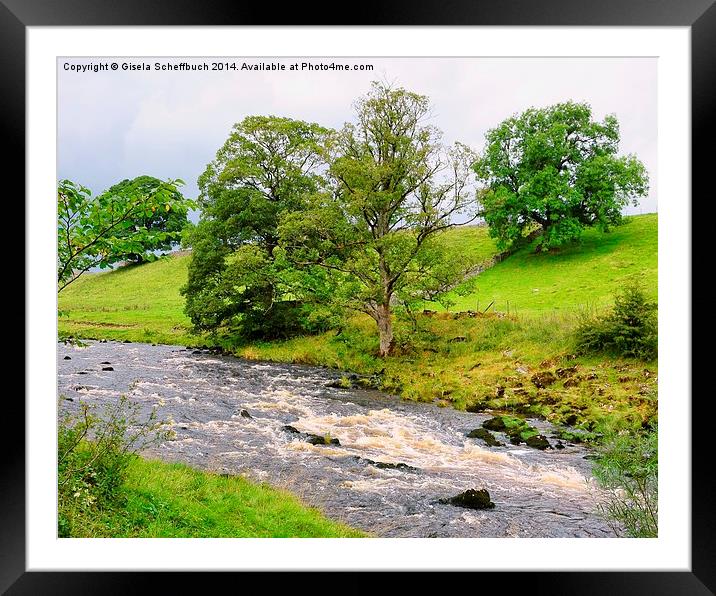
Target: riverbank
pixel 518 356
pixel 163 500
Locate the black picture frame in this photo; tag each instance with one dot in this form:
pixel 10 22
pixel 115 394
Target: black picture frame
pixel 699 15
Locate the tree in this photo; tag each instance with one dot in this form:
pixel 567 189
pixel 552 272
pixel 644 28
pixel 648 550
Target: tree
pixel 556 171
pixel 109 228
pixel 159 220
pixel 238 277
pixel 395 187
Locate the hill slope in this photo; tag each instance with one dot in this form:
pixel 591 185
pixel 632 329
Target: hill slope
pixel 583 275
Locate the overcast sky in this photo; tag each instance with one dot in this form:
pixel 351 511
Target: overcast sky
pixel 169 124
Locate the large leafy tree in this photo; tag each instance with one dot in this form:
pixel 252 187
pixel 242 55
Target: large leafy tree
pixel 556 171
pixel 171 221
pixel 239 278
pixel 113 226
pixel 395 188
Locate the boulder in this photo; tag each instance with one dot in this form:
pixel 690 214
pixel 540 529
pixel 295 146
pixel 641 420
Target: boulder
pixel 321 440
pixel 471 499
pixel 484 435
pixel 497 423
pixel 538 442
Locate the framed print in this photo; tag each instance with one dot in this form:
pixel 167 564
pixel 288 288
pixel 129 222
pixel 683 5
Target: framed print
pixel 397 287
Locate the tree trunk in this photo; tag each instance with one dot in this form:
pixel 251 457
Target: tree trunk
pixel 385 327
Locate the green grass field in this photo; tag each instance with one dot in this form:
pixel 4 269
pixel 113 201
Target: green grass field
pixel 584 275
pixel 137 302
pixel 175 501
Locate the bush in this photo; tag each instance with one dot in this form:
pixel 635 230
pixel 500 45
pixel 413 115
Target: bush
pixel 628 468
pixel 629 329
pixel 93 453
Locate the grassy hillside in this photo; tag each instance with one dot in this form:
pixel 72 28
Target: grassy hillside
pixel 136 302
pixel 584 275
pixel 175 501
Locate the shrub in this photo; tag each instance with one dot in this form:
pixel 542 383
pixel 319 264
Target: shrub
pixel 629 329
pixel 628 468
pixel 93 453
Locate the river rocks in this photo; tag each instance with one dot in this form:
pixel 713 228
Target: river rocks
pixel 517 430
pixel 471 499
pixel 107 368
pixel 543 379
pixel 538 442
pixel 321 440
pixel 475 408
pixel 67 358
pixel 310 437
pixel 391 466
pixel 355 381
pixel 484 435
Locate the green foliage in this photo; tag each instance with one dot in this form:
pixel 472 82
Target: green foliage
pixel 164 227
pixel 557 171
pixel 126 222
pixel 239 279
pixel 629 329
pixel 93 453
pixel 628 468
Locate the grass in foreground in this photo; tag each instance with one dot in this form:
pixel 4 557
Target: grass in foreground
pixel 175 501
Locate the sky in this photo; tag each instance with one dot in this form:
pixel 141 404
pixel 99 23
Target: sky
pixel 121 124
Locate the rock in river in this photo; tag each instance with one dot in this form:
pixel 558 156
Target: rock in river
pixel 471 499
pixel 485 435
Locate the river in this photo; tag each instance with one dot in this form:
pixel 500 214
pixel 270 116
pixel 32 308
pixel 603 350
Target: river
pixel 536 493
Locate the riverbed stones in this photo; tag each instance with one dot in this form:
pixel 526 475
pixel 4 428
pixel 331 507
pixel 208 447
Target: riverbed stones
pixel 471 499
pixel 538 442
pixel 486 436
pixel 321 440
